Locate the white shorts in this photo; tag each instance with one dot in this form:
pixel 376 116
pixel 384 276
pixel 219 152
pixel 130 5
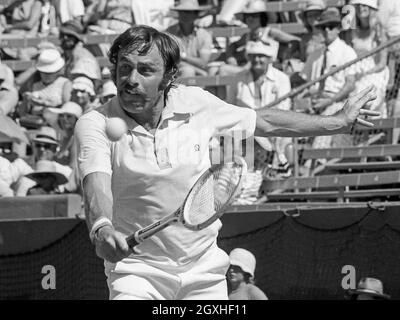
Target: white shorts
pixel 203 279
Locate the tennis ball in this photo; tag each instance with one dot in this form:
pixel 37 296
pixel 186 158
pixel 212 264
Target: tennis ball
pixel 115 128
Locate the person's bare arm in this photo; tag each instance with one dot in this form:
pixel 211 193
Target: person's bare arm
pixel 33 18
pixel 8 100
pixel 110 244
pixel 274 122
pixel 282 36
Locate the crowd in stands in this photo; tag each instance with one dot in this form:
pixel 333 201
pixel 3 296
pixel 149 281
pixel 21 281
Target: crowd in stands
pixel 67 80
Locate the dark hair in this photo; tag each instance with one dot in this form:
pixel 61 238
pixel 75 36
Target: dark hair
pixel 141 39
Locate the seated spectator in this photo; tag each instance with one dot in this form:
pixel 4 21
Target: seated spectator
pixel 83 94
pixel 10 173
pixel 389 16
pixel 368 289
pixel 195 43
pixel 313 39
pixel 328 95
pixel 68 10
pixel 76 55
pixel 22 18
pixel 45 146
pixel 47 179
pixel 240 276
pixel 52 90
pixel 113 16
pixel 68 114
pixel 155 13
pixel 263 85
pixel 8 92
pixel 255 17
pixel 109 91
pixel 365 37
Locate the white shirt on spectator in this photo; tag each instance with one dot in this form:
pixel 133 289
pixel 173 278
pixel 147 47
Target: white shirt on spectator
pixel 70 9
pixel 152 174
pixel 389 15
pixel 10 172
pixel 338 53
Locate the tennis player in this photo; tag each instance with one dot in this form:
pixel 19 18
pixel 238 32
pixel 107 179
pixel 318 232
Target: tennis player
pixel 146 175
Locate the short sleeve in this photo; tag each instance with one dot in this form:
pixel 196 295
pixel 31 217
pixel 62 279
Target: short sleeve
pixel 228 118
pixel 93 146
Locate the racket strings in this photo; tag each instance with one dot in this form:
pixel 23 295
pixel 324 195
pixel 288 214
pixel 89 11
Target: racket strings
pixel 212 193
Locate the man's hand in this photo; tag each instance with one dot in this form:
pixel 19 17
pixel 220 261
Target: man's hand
pixel 111 245
pixel 357 105
pixel 321 104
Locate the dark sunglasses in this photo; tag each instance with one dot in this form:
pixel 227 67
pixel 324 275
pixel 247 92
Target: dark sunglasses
pixel 48 146
pixel 329 26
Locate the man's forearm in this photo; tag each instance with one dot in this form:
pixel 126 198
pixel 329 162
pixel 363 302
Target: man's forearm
pixel 275 122
pixel 97 197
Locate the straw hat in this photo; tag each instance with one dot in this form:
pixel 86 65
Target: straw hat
pixel 50 61
pixel 68 108
pixel 267 48
pixel 46 135
pixel 370 3
pixel 243 259
pixel 330 15
pixel 73 28
pixel 370 286
pixel 190 5
pixel 49 168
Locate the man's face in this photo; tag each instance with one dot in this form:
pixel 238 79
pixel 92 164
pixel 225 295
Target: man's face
pixel 81 97
pixel 259 62
pixel 330 32
pixel 68 42
pixel 253 20
pixel 312 16
pixel 46 181
pixel 188 16
pixel 67 121
pixel 138 80
pixel 235 274
pixel 44 151
pixel 48 78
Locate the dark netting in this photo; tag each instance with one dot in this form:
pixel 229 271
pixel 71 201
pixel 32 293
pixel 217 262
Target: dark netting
pixel 295 260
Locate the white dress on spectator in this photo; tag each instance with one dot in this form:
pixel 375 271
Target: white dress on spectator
pixel 379 79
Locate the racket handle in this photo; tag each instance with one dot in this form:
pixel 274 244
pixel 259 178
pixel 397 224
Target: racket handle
pixel 131 240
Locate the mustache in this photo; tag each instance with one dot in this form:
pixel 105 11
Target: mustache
pixel 133 90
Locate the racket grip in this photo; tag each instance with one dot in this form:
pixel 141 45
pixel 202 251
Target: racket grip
pixel 131 240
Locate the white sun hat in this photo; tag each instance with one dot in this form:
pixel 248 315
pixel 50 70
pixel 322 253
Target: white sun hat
pixel 84 84
pixel 370 3
pixel 50 61
pixel 243 259
pixel 109 89
pixel 268 48
pixel 68 108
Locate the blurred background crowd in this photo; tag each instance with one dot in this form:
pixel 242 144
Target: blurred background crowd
pixel 40 104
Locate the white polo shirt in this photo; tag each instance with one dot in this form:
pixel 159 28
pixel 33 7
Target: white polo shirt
pixel 152 174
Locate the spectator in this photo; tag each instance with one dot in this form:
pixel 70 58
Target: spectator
pixel 83 94
pixel 389 16
pixel 367 36
pixel 241 276
pixel 76 55
pixel 328 96
pixel 155 13
pixel 110 16
pixel 368 289
pixel 195 43
pixel 10 173
pixel 264 84
pixel 313 40
pixel 109 91
pixel 47 179
pixel 52 90
pixel 256 18
pixel 48 19
pixel 22 18
pixel 8 92
pixel 68 10
pixel 68 114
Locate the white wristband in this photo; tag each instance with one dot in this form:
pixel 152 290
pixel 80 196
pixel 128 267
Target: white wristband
pixel 99 223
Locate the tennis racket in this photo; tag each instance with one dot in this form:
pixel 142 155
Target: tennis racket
pixel 206 201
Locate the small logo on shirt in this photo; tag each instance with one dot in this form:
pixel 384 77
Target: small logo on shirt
pixel 196 147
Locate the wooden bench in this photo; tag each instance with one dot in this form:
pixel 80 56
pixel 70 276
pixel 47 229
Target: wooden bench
pixel 333 187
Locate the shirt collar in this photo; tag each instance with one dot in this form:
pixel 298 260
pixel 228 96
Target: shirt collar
pixel 334 46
